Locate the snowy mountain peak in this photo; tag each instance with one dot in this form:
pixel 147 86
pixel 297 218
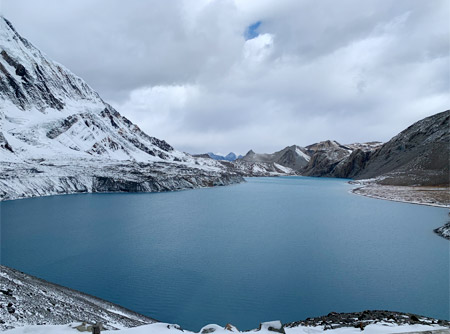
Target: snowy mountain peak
pixel 47 111
pixel 29 79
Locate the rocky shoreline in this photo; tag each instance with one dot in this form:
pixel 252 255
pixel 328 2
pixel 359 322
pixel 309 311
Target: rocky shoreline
pixel 431 196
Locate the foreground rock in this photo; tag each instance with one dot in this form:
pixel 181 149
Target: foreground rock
pixel 26 301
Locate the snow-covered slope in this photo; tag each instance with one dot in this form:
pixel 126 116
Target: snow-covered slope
pixel 54 127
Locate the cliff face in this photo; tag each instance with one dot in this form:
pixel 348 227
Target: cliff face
pixel 58 136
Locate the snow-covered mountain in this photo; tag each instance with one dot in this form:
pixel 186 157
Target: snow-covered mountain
pixel 57 135
pixel 45 110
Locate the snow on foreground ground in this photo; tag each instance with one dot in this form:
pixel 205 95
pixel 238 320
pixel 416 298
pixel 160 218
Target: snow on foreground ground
pixel 266 328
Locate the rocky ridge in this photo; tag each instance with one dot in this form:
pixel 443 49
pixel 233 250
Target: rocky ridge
pixel 417 156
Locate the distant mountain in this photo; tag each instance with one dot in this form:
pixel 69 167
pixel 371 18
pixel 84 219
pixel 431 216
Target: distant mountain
pixel 293 157
pixel 229 157
pixel 249 168
pixel 58 136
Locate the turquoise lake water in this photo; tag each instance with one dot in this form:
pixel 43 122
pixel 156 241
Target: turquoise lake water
pixel 283 248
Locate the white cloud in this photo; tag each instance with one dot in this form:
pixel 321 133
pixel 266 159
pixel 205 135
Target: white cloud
pixel 350 71
pixel 161 108
pixel 258 49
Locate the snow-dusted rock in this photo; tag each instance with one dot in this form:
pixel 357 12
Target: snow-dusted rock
pixel 444 231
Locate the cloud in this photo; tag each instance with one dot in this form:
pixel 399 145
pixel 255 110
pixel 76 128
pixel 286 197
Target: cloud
pixel 222 75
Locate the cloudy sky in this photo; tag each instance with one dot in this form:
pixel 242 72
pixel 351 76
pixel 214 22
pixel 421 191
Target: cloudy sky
pixel 234 75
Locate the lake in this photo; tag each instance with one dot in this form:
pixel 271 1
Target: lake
pixel 283 248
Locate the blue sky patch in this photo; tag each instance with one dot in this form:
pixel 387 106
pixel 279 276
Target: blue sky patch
pixel 252 30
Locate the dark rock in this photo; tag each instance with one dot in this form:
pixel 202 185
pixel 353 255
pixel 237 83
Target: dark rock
pixel 62 127
pixel 277 330
pixel 7 292
pixel 20 70
pixel 360 325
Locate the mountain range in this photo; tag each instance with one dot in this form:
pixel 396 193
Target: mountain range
pixel 418 156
